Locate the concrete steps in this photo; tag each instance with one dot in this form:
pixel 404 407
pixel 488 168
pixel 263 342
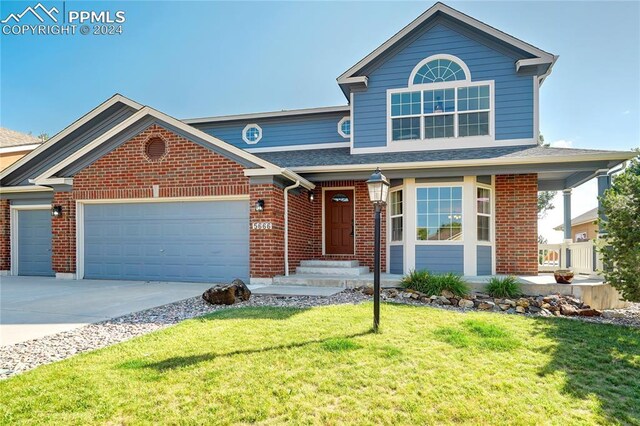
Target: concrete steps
pixel 343 281
pixel 331 267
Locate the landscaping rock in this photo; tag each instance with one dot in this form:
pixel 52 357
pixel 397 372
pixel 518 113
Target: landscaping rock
pixel 392 293
pixel 222 294
pixel 534 309
pixel 504 306
pixel 444 301
pixel 568 310
pixel 465 304
pixel 368 291
pixel 509 302
pixel 486 305
pixel 520 309
pixel 447 294
pixel 612 314
pixel 589 312
pixel 575 302
pixel 523 302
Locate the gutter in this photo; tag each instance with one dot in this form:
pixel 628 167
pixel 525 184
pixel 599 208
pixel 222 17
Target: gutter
pixel 286 226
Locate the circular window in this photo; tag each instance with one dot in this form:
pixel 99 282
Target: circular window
pixel 252 134
pixel 155 149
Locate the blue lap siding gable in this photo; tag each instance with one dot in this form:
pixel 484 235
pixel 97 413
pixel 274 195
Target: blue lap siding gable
pixel 514 93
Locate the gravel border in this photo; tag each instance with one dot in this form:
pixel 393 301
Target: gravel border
pixel 27 355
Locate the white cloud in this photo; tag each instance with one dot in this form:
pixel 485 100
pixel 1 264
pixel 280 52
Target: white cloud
pixel 626 112
pixel 562 143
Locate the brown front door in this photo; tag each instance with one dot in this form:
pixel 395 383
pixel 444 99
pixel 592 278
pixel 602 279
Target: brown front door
pixel 338 220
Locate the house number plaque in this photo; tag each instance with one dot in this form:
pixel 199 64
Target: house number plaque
pixel 262 225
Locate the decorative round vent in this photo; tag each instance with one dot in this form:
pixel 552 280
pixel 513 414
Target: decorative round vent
pixel 155 149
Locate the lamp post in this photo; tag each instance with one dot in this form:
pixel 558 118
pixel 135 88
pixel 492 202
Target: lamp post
pixel 378 191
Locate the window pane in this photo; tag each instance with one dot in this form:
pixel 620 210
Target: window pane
pixel 473 98
pixel 438 126
pixel 405 128
pixel 473 124
pixel 439 213
pixel 483 228
pixel 484 201
pixel 396 229
pixel 438 101
pixel 406 103
pixel 396 203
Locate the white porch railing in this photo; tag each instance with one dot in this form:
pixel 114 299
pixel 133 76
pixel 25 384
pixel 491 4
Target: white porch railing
pixel 553 256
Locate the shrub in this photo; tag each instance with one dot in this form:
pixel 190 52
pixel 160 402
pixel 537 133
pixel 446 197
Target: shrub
pixel 434 284
pixel 504 287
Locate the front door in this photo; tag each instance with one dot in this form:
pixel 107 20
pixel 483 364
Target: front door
pixel 338 219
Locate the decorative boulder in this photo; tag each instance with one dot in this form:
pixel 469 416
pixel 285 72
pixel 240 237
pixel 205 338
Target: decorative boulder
pixel 227 294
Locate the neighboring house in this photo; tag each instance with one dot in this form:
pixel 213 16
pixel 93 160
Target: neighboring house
pixel 447 108
pixel 583 227
pixel 15 145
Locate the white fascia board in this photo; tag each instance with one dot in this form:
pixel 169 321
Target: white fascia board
pixel 287 173
pixel 19 148
pixel 440 7
pixel 148 111
pixel 67 130
pixel 273 114
pixel 23 188
pixel 306 147
pixel 616 156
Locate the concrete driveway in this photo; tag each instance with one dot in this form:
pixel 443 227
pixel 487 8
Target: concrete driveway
pixel 33 307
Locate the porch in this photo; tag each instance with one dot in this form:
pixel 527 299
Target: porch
pixel 582 257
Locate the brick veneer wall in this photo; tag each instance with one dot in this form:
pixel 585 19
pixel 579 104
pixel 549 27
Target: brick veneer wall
pixel 517 224
pixel 5 236
pixel 63 238
pixel 186 170
pixel 267 245
pixel 364 221
pixel 301 232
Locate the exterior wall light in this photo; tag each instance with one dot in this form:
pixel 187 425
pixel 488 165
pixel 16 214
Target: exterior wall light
pixel 56 211
pixel 260 205
pixel 311 196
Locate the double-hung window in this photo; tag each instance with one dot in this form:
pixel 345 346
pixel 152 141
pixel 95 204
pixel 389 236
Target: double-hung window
pixel 396 215
pixel 483 200
pixel 441 102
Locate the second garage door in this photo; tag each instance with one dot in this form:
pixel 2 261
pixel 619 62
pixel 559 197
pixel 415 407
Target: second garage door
pixel 167 241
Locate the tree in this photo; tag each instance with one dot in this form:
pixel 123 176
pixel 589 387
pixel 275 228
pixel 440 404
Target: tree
pixel 43 137
pixel 621 253
pixel 545 202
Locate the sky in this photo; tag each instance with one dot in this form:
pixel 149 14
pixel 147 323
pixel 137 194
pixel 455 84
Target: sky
pixel 194 59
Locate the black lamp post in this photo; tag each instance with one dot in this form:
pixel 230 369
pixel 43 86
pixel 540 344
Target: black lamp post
pixel 378 191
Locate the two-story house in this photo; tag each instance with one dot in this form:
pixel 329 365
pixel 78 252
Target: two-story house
pixel 447 108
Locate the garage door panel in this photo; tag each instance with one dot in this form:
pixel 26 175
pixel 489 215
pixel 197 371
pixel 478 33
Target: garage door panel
pixel 34 242
pixel 192 241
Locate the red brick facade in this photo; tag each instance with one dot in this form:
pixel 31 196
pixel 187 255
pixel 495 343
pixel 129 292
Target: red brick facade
pixel 5 236
pixel 517 224
pixel 266 249
pixel 63 230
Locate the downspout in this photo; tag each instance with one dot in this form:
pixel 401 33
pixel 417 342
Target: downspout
pixel 286 226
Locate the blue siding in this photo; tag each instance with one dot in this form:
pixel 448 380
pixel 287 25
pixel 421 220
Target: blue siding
pixel 396 260
pixel 322 128
pixel 440 259
pixel 484 260
pixel 34 242
pixel 193 241
pixel 513 92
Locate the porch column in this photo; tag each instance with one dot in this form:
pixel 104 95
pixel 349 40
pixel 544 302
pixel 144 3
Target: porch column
pixel 566 194
pixel 604 183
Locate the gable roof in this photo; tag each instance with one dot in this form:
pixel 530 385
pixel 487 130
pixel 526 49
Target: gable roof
pixel 49 176
pixel 117 98
pixel 586 217
pixel 11 138
pixel 540 56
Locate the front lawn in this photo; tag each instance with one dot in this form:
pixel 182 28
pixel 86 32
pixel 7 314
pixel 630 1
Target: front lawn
pixel 322 365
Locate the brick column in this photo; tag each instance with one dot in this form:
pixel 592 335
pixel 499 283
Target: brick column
pixel 63 229
pixel 5 237
pixel 266 245
pixel 517 224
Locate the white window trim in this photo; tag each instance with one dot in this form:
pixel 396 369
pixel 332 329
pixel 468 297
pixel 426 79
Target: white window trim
pixel 461 241
pixel 458 61
pixel 391 217
pixel 442 143
pixel 343 134
pixel 490 216
pixel 244 133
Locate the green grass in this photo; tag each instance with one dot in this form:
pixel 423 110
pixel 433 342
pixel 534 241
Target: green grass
pixel 433 284
pixel 324 366
pixel 503 287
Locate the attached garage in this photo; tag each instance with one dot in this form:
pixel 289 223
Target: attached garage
pixel 189 241
pixel 32 239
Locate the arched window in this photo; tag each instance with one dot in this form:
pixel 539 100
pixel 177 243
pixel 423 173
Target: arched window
pixel 439 69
